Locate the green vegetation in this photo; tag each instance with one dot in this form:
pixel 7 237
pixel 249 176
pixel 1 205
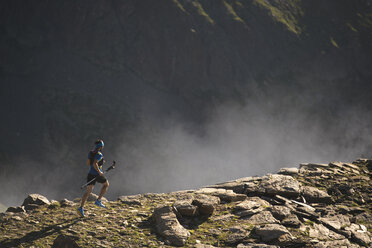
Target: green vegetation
pixel 202 12
pixel 286 12
pixel 231 11
pixel 179 5
pixel 333 42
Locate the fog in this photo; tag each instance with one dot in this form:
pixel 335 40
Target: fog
pixel 236 141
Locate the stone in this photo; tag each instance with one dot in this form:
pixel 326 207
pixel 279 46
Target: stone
pixel 30 207
pixel 167 225
pixel 236 235
pixel 66 203
pixel 288 171
pixel 225 195
pixel 35 199
pixel 280 212
pixel 130 200
pixel 314 195
pixel 270 232
pixel 264 217
pixel 64 241
pixel 359 234
pixel 282 185
pixel 291 221
pixel 250 245
pixel 247 208
pixel 93 197
pixel 335 222
pixel 206 203
pixel 319 231
pixel 204 246
pixel 185 208
pixel 343 243
pixel 19 209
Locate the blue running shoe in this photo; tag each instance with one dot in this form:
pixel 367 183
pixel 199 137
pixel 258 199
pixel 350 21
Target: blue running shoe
pixel 99 203
pixel 81 212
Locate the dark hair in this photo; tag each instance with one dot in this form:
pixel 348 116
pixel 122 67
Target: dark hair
pixel 98 141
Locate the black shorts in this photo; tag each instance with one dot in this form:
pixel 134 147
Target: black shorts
pixel 100 179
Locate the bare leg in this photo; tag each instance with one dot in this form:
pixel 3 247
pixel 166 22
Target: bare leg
pixel 103 190
pixel 86 194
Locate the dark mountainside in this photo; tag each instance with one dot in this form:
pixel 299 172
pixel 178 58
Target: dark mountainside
pixel 313 206
pixel 124 71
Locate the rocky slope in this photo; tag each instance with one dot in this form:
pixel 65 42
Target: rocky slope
pixel 315 205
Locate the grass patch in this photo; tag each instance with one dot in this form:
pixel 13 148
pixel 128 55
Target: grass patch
pixel 231 11
pixel 286 12
pixel 201 11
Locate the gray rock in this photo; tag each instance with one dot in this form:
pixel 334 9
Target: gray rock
pixel 63 241
pixel 130 200
pixel 20 209
pixel 359 234
pixel 270 232
pixel 93 197
pixel 280 212
pixel 343 243
pixel 35 199
pixel 313 195
pixel 206 203
pixel 168 226
pixel 236 235
pixel 279 185
pixel 321 232
pixel 185 208
pixel 29 207
pixel 288 171
pixel 335 222
pixel 291 221
pixel 250 245
pixel 204 246
pixel 66 203
pixel 247 208
pixel 225 195
pixel 264 217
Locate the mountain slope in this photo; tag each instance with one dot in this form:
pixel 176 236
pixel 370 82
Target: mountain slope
pixel 243 212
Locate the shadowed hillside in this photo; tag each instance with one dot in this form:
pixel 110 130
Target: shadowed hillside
pixel 74 71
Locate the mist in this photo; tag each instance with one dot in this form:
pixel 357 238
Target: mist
pixel 236 141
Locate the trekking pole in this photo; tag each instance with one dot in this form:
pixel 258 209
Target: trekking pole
pixel 108 169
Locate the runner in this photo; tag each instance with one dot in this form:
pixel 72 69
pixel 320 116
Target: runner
pixel 95 161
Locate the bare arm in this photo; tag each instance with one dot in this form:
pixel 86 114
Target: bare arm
pixel 96 167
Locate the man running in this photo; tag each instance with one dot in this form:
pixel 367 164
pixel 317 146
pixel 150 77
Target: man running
pixel 95 160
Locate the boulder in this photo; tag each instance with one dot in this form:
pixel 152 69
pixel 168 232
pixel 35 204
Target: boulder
pixel 343 243
pixel 31 207
pixel 291 221
pixel 93 197
pixel 63 241
pixel 130 200
pixel 66 203
pixel 250 245
pixel 270 232
pixel 247 208
pixel 321 232
pixel 185 208
pixel 264 217
pixel 35 199
pixel 360 234
pixel 225 195
pixel 279 185
pixel 288 171
pixel 313 195
pixel 168 226
pixel 335 222
pixel 20 209
pixel 236 235
pixel 206 203
pixel 280 212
